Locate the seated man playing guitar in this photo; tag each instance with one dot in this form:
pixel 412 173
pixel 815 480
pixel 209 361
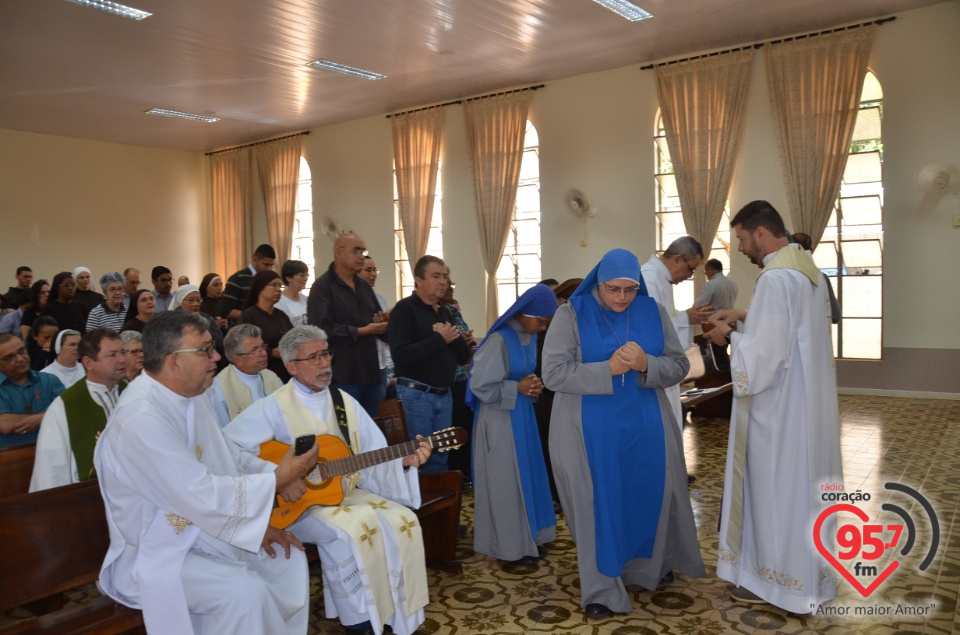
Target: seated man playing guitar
pixel 370 544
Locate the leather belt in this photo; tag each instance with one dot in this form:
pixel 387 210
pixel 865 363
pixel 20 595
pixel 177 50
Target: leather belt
pixel 416 385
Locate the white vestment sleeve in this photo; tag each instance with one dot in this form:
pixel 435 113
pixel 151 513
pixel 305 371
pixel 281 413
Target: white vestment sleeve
pixel 671 367
pixel 761 352
pixel 234 509
pixel 54 464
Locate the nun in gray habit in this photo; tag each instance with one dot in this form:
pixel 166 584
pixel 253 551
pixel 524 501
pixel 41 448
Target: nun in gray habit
pixel 617 453
pixel 513 506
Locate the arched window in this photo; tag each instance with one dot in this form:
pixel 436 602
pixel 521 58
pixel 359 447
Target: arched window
pixel 434 240
pixel 303 222
pixel 669 216
pixel 851 249
pixel 520 265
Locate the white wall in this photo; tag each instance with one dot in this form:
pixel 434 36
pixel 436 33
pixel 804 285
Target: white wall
pixel 68 202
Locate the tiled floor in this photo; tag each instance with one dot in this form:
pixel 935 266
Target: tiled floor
pixel 913 442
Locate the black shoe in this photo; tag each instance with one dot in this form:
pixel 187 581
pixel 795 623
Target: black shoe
pixel 597 610
pixel 542 551
pixel 525 561
pixel 667 579
pixel 691 479
pixel 461 530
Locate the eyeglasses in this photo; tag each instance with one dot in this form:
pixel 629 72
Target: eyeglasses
pixel 372 270
pixel 275 285
pixel 314 360
pixel 263 349
pixel 627 291
pixel 198 300
pixel 21 352
pixel 359 251
pixel 209 351
pixel 114 289
pixel 138 351
pixel 690 267
pixel 67 285
pixel 544 322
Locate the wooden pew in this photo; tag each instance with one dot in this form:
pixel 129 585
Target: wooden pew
pixel 440 493
pixel 16 468
pixel 51 542
pixel 717 403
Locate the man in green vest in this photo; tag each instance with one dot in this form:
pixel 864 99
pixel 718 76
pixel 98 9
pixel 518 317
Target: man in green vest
pixel 73 422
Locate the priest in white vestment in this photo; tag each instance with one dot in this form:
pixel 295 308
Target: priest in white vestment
pixel 247 378
pixel 660 273
pixel 370 546
pixel 190 542
pixel 74 420
pixel 784 434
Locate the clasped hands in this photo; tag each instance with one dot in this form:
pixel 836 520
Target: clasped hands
pixel 381 320
pixel 531 386
pixel 447 331
pixel 628 357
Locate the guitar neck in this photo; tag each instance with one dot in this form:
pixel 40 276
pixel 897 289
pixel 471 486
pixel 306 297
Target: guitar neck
pixel 357 462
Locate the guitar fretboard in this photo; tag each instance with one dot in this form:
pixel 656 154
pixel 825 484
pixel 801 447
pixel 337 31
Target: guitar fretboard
pixel 357 462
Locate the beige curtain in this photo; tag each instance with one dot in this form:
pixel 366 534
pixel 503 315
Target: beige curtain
pixel 416 154
pixel 496 127
pixel 278 164
pixel 230 193
pixel 702 105
pixel 815 87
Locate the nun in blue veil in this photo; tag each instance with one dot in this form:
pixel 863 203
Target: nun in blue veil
pixel 617 453
pixel 513 506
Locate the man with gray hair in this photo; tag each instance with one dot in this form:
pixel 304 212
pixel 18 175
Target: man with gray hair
pixel 190 537
pixel 373 560
pixel 112 312
pixel 660 273
pixel 247 378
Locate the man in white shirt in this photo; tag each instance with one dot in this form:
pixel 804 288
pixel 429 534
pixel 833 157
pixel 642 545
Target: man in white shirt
pixel 785 434
pixel 660 273
pixel 721 293
pixel 190 540
pixel 371 545
pixel 73 422
pixel 247 378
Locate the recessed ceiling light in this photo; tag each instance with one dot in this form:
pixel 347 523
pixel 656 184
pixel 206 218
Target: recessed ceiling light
pixel 114 8
pixel 181 115
pixel 625 9
pixel 346 70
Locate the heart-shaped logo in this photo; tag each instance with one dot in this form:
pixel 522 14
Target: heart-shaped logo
pixel 862 515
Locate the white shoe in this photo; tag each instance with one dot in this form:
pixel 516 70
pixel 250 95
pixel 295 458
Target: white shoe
pixel 745 596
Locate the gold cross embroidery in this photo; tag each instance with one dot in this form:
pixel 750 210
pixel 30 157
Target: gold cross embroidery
pixel 342 508
pixel 179 523
pixel 407 526
pixel 199 452
pixel 370 533
pixel 379 505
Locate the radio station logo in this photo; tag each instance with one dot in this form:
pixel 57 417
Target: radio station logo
pixel 865 544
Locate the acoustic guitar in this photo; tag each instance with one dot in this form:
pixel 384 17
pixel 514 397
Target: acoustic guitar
pixel 325 482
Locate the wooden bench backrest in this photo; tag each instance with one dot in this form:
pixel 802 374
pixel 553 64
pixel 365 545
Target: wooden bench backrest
pixel 391 421
pixel 51 541
pixel 16 468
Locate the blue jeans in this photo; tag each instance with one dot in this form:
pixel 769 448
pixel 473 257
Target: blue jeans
pixel 426 414
pixel 369 397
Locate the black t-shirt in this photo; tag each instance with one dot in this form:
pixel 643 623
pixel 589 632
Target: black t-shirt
pixel 418 352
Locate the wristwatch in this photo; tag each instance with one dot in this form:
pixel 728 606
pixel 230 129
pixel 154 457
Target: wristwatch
pixel 727 336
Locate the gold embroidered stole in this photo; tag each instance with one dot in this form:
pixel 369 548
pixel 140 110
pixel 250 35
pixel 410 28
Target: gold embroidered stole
pixel 360 513
pixel 238 394
pixel 787 257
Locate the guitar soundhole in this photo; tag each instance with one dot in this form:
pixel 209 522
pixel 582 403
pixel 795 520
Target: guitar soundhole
pixel 314 480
